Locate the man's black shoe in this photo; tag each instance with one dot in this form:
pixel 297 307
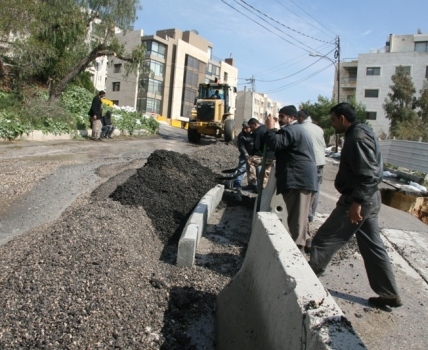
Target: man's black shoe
pixel 382 301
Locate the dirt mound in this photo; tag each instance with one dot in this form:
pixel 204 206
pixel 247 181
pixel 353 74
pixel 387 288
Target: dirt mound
pixel 169 186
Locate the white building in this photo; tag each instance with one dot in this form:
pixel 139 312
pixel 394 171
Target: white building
pixel 167 84
pixel 250 104
pixel 369 77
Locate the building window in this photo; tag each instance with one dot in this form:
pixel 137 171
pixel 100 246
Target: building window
pixel 406 69
pixel 371 115
pixel 371 93
pixel 152 86
pixel 116 86
pixel 156 49
pixel 117 68
pixel 116 102
pixel 153 68
pixel 149 105
pixel 373 71
pixel 421 46
pixel 225 76
pixel 426 72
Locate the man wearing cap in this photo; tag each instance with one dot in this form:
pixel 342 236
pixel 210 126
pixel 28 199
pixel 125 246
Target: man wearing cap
pixel 245 147
pixel 296 170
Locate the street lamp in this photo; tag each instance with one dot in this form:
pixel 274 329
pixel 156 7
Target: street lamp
pixel 337 65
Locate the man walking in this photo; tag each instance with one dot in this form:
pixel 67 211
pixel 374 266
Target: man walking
pixel 95 115
pixel 296 171
pixel 356 212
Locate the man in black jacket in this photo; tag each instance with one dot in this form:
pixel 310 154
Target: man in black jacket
pixel 95 115
pixel 245 146
pixel 356 212
pixel 296 170
pixel 255 160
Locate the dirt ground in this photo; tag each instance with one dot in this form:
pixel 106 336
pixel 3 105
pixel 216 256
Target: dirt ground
pixel 103 275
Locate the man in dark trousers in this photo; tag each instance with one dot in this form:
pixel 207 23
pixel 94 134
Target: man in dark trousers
pixel 245 146
pixel 108 127
pixel 356 212
pixel 256 157
pixel 296 170
pixel 95 115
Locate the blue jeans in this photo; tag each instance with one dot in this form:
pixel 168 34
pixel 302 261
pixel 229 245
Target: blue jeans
pixel 241 169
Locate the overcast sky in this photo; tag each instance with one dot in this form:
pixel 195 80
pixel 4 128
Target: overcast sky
pixel 272 39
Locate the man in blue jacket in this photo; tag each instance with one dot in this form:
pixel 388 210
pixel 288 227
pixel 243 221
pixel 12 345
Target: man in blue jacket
pixel 296 170
pixel 356 212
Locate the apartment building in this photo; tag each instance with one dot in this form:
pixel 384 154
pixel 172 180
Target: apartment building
pixel 368 78
pixel 250 104
pixel 167 83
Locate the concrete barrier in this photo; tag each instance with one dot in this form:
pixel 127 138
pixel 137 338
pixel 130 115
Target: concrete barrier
pixel 196 225
pixel 276 302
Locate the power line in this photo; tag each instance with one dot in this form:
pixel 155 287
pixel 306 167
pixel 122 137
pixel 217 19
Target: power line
pixel 310 16
pixel 303 69
pixel 298 81
pixel 292 62
pixel 296 31
pixel 265 27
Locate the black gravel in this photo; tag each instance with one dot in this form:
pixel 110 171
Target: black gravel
pixel 95 278
pixel 169 187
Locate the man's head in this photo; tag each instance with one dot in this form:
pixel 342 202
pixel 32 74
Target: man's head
pixel 101 94
pixel 302 115
pixel 253 123
pixel 287 115
pixel 342 116
pixel 246 128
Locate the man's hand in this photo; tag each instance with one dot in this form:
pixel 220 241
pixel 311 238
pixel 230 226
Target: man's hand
pixel 355 213
pixel 269 122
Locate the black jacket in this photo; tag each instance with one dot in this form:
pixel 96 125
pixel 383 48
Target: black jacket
pixel 258 137
pixel 361 168
pixel 295 160
pixel 245 144
pixel 96 108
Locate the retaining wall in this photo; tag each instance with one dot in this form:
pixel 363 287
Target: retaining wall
pixel 276 301
pixel 196 225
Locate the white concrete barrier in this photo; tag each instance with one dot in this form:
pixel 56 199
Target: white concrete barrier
pixel 276 302
pixel 196 225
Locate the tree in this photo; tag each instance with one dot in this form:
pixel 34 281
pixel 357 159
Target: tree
pixel 400 103
pixel 320 114
pixel 62 38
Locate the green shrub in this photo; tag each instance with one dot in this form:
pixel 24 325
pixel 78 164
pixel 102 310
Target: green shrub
pixel 11 127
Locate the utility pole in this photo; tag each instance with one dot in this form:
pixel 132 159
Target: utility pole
pixel 253 83
pixel 337 56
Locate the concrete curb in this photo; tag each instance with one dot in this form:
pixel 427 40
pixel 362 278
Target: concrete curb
pixel 196 225
pixel 276 301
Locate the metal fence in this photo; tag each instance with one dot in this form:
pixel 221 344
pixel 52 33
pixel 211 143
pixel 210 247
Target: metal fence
pixel 407 154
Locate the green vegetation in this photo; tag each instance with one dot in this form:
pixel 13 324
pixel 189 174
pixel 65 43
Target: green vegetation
pixel 67 115
pixel 408 114
pixel 63 38
pixel 320 114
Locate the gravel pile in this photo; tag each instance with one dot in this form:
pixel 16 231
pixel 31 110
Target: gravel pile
pixel 103 275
